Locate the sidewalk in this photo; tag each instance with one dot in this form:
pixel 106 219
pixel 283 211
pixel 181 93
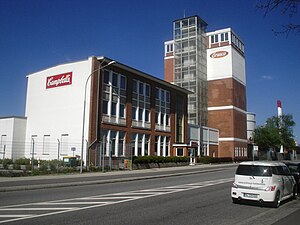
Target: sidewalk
pixel 66 180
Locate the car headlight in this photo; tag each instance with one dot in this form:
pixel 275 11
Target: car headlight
pixel 234 185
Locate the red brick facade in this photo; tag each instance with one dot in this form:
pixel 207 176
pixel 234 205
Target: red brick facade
pixel 131 74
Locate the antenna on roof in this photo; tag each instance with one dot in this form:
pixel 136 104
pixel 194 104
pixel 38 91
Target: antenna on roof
pixel 184 13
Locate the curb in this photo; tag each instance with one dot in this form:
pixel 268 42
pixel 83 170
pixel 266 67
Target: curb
pixel 81 183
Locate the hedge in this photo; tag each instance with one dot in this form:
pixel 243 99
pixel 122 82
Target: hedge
pixel 208 159
pixel 159 159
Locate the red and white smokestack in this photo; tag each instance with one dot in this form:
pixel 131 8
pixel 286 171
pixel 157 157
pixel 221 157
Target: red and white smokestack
pixel 279 108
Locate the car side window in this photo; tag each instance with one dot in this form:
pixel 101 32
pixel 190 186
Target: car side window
pixel 280 170
pixel 286 171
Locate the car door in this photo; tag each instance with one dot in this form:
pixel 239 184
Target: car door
pixel 288 183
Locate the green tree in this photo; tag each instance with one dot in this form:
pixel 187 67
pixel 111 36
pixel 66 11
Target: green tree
pixel 275 132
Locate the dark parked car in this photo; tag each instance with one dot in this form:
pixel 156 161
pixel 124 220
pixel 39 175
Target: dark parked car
pixel 294 167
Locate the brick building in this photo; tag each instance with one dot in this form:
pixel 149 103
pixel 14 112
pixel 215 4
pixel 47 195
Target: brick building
pixel 127 112
pixel 212 66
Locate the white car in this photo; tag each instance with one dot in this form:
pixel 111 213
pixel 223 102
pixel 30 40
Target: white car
pixel 269 182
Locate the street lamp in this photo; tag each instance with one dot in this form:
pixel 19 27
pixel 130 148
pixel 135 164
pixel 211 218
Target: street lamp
pixel 84 104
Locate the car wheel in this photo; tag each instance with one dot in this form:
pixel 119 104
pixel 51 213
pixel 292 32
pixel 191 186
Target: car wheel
pixel 276 202
pixel 235 200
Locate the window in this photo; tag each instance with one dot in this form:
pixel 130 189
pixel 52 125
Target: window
pixel 216 38
pixel 106 77
pixel 46 145
pixel 3 144
pixel 156 117
pixel 114 109
pixel 157 93
pixel 134 113
pixel 156 145
pixel 134 86
pixel 179 151
pixel 105 107
pixel 140 114
pixel 121 146
pixel 64 143
pixel 123 82
pixel 147 117
pixel 162 94
pixel 212 39
pixel 252 170
pixel 226 36
pixel 147 90
pixel 122 110
pixel 146 144
pixel 167 120
pixel 115 79
pixel 168 96
pixel 141 88
pixel 222 37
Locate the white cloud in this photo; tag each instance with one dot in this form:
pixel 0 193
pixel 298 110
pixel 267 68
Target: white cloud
pixel 267 77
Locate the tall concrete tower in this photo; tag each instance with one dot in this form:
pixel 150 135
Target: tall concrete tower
pixel 212 66
pixel 227 91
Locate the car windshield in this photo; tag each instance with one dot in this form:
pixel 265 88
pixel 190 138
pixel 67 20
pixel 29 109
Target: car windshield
pixel 251 170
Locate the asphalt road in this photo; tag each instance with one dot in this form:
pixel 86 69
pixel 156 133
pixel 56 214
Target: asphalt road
pixel 196 198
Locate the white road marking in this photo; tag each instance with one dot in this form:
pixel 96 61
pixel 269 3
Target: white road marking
pixel 13 216
pixel 115 197
pixel 36 209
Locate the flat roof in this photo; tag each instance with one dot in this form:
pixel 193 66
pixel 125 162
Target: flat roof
pixel 201 20
pixel 145 75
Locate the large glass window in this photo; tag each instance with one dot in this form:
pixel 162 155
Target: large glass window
pixel 141 105
pixel 162 107
pixel 114 97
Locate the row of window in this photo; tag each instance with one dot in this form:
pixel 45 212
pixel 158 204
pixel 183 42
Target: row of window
pixel 169 48
pixel 114 144
pixel 114 99
pixel 141 88
pixel 237 42
pixel 222 37
pixel 219 38
pixel 114 102
pixel 240 152
pixel 185 23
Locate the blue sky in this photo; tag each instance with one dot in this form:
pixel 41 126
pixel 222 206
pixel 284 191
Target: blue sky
pixel 37 34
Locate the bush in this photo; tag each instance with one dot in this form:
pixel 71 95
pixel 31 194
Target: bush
pixel 158 159
pixel 208 159
pixel 6 162
pixel 22 161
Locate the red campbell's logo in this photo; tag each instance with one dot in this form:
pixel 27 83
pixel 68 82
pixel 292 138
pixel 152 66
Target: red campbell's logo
pixel 219 54
pixel 59 80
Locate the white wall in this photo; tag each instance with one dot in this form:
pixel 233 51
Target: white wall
pixel 251 124
pixel 12 136
pixel 231 65
pixel 54 115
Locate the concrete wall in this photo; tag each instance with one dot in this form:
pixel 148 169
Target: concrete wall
pixel 12 137
pixel 54 113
